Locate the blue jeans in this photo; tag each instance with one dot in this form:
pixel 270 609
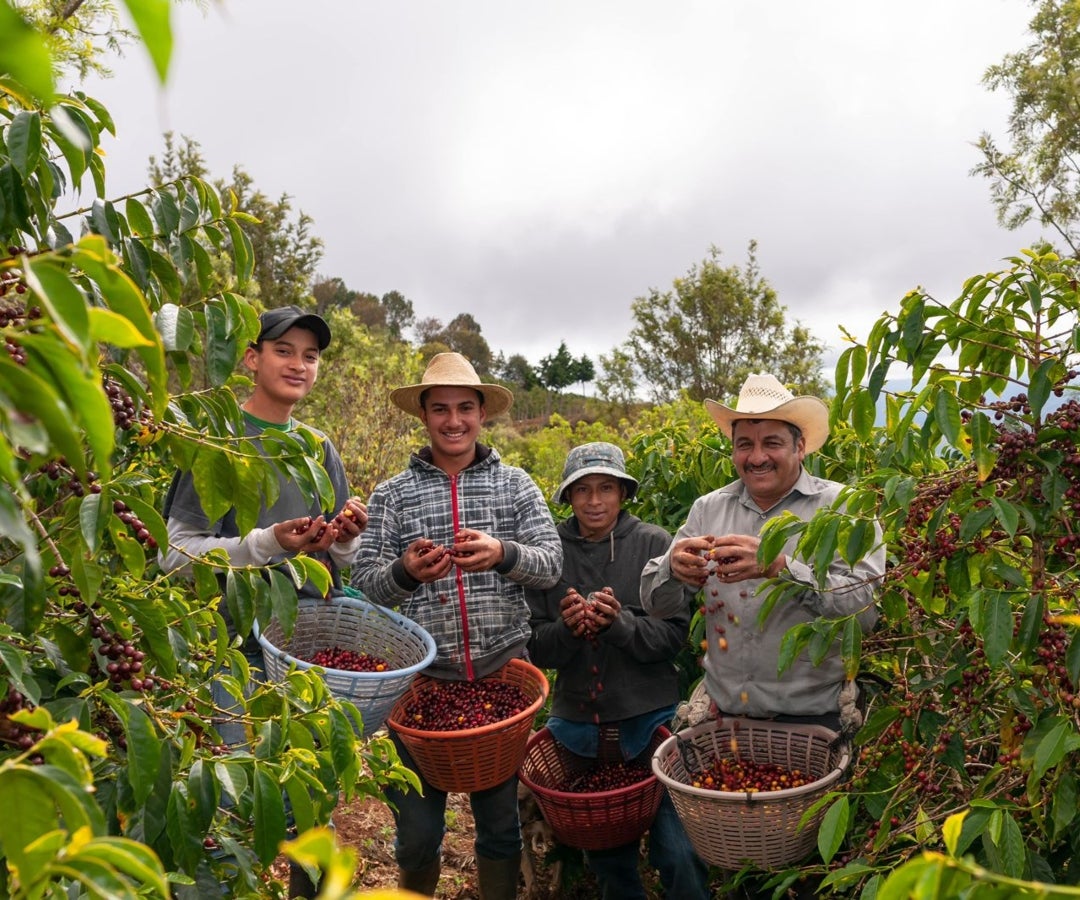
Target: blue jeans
pixel 421 820
pixel 683 875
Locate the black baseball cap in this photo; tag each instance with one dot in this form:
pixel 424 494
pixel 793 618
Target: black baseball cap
pixel 275 322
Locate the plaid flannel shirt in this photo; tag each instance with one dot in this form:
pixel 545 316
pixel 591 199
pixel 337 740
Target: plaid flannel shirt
pixel 497 499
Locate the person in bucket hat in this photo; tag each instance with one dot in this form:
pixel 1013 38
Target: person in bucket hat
pixel 771 431
pixel 614 663
pixel 454 541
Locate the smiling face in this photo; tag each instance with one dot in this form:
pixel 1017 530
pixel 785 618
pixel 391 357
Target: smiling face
pixel 453 417
pixel 596 500
pixel 767 457
pixel 284 370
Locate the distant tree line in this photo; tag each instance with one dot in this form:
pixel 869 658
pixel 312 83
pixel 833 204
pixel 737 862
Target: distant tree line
pixel 700 337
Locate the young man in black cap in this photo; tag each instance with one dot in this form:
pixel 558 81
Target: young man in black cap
pixel 284 363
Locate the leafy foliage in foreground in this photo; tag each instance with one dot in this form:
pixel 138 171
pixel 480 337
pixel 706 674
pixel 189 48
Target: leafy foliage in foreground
pixel 975 478
pixel 109 746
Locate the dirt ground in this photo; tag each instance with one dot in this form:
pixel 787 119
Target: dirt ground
pixel 548 871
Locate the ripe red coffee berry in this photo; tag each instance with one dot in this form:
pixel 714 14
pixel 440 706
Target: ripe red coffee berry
pixel 607 777
pixel 457 705
pixel 746 776
pixel 349 660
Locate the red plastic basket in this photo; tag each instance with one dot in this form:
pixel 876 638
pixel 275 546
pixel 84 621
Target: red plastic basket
pixel 590 821
pixel 474 758
pixel 766 828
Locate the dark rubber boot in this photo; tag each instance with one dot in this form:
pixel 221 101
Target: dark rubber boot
pixel 300 883
pixel 499 877
pixel 420 881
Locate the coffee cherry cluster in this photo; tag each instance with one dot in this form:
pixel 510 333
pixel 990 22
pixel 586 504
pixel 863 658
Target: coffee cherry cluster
pixel 58 469
pixel 15 351
pixel 15 313
pixel 11 279
pixel 12 732
pixel 304 524
pixel 142 533
pixel 746 776
pixel 123 407
pixel 610 776
pixel 67 588
pixel 349 660
pixel 125 660
pixel 457 705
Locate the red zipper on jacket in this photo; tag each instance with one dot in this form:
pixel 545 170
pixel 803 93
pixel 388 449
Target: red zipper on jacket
pixel 459 578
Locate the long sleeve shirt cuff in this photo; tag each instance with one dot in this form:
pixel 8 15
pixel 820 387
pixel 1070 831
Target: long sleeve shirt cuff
pixel 509 560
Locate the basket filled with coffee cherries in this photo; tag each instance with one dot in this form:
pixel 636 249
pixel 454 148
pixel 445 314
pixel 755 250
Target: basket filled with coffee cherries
pixel 741 787
pixel 467 736
pixel 593 803
pixel 367 654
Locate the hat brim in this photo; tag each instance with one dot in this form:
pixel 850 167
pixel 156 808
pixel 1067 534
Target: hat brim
pixel 629 481
pixel 497 399
pixel 809 414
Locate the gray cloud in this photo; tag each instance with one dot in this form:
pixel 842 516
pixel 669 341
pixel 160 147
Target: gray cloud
pixel 540 166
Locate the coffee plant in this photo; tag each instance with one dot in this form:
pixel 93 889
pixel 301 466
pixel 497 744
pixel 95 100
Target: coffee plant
pixel 123 322
pixel 957 428
pixel 968 751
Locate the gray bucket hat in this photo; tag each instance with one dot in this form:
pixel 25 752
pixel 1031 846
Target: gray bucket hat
pixel 595 458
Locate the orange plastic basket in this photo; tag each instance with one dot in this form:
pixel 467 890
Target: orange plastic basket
pixel 764 829
pixel 474 758
pixel 590 821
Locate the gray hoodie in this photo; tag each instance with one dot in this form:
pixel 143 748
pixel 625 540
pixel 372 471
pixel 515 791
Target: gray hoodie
pixel 629 669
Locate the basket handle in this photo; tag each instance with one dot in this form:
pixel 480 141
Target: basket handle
pixel 686 749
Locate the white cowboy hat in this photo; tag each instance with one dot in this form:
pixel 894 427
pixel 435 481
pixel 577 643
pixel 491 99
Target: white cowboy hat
pixel 764 397
pixel 452 370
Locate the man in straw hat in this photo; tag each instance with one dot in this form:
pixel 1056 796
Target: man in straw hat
pixel 614 664
pixel 454 540
pixel 771 431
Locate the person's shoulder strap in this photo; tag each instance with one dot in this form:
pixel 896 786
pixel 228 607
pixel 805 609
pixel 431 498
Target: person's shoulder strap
pixel 170 495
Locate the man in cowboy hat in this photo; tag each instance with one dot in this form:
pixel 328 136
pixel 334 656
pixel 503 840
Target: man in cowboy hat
pixel 455 540
pixel 614 665
pixel 771 431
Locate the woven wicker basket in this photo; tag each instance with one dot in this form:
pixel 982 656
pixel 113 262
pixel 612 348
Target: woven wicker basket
pixel 354 624
pixel 590 821
pixel 763 829
pixel 474 758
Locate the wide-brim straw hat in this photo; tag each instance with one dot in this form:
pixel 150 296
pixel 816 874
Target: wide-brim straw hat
pixel 764 397
pixel 452 370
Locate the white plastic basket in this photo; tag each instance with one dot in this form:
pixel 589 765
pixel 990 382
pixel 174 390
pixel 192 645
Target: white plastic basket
pixel 354 624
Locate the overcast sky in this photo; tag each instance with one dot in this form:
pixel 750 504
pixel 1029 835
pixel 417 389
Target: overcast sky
pixel 540 165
